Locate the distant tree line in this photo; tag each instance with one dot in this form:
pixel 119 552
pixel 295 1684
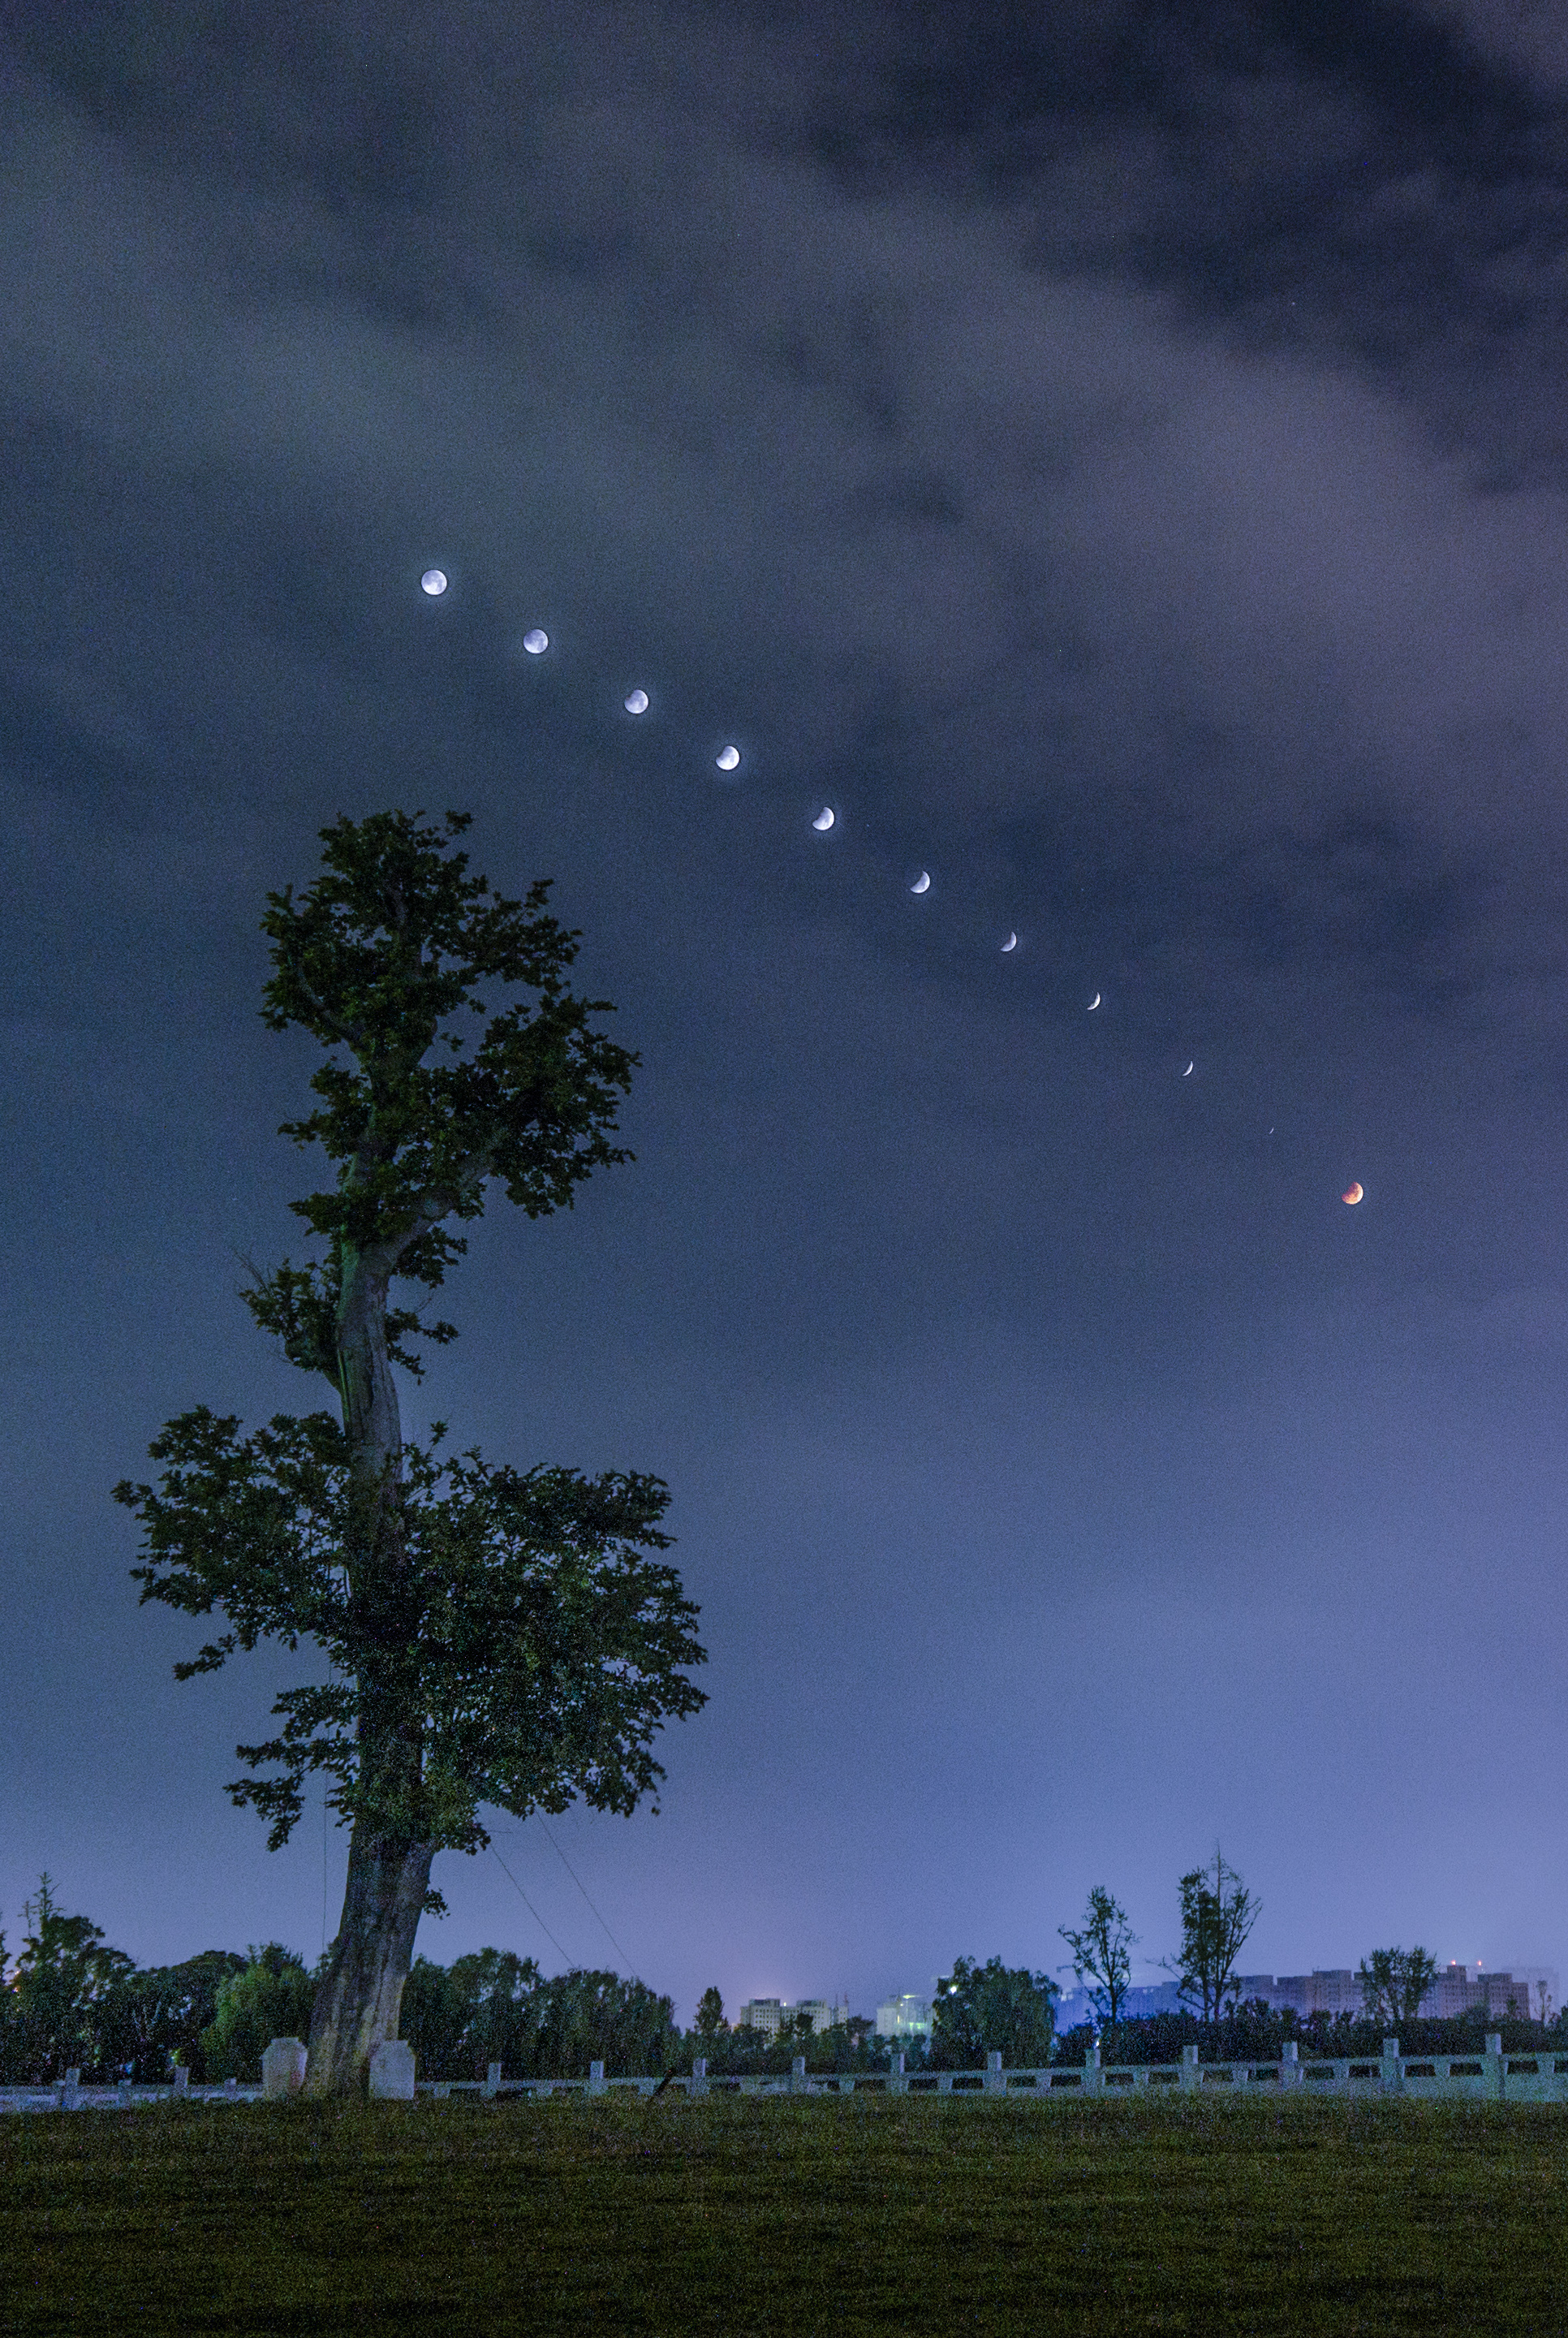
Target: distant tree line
pixel 69 2001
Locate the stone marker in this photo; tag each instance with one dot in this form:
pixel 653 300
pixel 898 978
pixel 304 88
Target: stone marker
pixel 282 2069
pixel 392 2071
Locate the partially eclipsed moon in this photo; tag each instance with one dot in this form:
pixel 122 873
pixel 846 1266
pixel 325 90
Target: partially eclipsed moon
pixel 1353 1194
pixel 1094 1002
pixel 638 702
pixel 922 883
pixel 433 582
pixel 728 757
pixel 1009 944
pixel 538 642
pixel 1188 1073
pixel 824 820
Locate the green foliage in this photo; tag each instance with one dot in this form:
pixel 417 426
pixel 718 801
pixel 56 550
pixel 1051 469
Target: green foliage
pixel 268 1996
pixel 990 2009
pixel 1394 1981
pixel 494 2007
pixel 1102 1953
pixel 537 1644
pixel 492 1636
pixel 711 2023
pixel 149 2020
pixel 63 1977
pixel 1216 1919
pixel 385 960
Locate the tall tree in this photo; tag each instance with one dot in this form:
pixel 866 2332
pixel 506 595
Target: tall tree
pixel 1217 1916
pixel 992 2008
pixel 1102 1949
pixel 1394 1981
pixel 493 1636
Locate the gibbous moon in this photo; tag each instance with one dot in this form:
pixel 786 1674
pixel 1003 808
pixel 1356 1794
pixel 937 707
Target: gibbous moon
pixel 433 582
pixel 922 883
pixel 824 820
pixel 538 642
pixel 1094 1002
pixel 1188 1073
pixel 1353 1194
pixel 638 702
pixel 728 757
pixel 1009 944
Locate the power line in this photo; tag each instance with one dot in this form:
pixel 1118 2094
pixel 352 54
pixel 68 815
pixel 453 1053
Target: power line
pixel 582 1886
pixel 528 1904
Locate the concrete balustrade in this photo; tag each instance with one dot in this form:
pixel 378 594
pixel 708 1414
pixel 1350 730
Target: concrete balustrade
pixel 1534 2074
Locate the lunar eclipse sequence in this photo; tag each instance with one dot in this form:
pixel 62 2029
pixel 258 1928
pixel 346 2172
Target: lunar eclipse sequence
pixel 637 701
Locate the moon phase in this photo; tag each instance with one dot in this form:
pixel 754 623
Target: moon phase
pixel 1188 1073
pixel 433 582
pixel 922 883
pixel 1094 1002
pixel 728 757
pixel 824 820
pixel 1009 944
pixel 1352 1194
pixel 637 704
pixel 536 642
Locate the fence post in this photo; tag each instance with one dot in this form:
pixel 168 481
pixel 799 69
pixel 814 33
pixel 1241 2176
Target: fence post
pixel 595 2077
pixel 995 2084
pixel 492 2082
pixel 1393 2077
pixel 1094 2077
pixel 1494 2066
pixel 897 2083
pixel 800 2084
pixel 71 2093
pixel 1289 2064
pixel 699 2076
pixel 1191 2074
pixel 182 2079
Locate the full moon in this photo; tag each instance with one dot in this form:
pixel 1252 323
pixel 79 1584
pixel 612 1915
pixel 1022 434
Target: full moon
pixel 1353 1194
pixel 433 582
pixel 538 642
pixel 638 702
pixel 728 757
pixel 1009 944
pixel 922 883
pixel 824 820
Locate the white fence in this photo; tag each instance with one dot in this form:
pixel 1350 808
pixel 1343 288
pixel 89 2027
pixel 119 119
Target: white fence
pixel 1532 2076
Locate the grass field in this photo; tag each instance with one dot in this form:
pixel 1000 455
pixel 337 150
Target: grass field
pixel 816 2216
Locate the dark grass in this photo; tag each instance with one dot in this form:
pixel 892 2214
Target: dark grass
pixel 812 2215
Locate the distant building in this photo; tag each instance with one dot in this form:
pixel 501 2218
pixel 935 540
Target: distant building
pixel 769 2014
pixel 1528 1993
pixel 827 2012
pixel 1330 1989
pixel 904 2017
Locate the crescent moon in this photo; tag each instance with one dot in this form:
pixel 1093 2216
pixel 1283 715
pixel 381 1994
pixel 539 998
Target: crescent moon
pixel 1094 1002
pixel 824 820
pixel 922 883
pixel 1354 1195
pixel 1188 1073
pixel 1009 944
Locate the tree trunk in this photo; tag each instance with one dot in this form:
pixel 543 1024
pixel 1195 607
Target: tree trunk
pixel 360 1996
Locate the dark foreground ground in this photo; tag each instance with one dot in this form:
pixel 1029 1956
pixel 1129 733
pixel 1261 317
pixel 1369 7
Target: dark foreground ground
pixel 820 2216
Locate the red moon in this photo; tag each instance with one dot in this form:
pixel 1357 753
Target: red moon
pixel 1353 1196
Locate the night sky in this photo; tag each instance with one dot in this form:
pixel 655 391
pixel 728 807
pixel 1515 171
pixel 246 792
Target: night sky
pixel 1114 456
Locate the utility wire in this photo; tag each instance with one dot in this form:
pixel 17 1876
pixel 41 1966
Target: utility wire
pixel 582 1886
pixel 528 1904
